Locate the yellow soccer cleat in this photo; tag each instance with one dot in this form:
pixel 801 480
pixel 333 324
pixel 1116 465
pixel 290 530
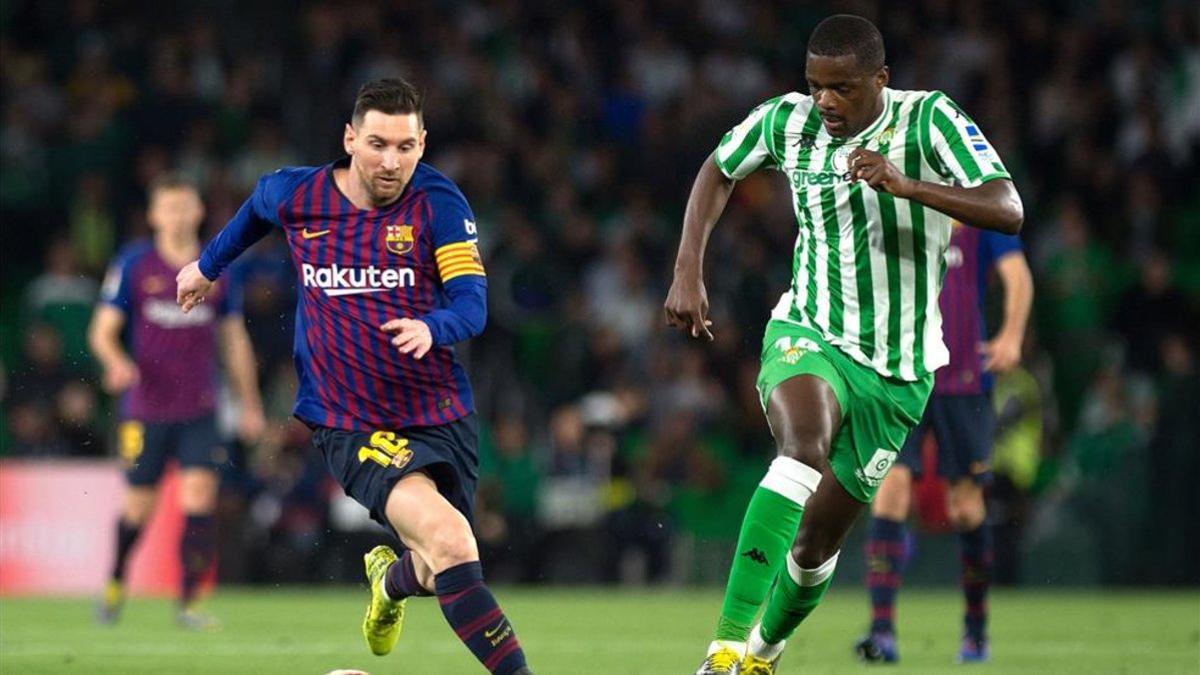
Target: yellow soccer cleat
pixel 753 665
pixel 108 610
pixel 381 627
pixel 723 661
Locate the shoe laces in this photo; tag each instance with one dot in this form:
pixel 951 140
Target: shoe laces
pixel 722 660
pixel 754 665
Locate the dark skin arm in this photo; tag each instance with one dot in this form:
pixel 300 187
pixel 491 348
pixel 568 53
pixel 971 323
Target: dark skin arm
pixel 687 301
pixel 995 205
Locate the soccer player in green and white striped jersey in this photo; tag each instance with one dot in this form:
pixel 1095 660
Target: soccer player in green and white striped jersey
pixel 877 176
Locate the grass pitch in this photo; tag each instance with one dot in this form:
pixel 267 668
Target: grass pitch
pixel 583 631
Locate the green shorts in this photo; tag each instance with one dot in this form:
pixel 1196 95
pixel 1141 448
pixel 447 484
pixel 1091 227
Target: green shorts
pixel 877 412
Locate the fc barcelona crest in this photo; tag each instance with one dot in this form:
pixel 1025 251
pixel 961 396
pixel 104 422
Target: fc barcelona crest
pixel 399 239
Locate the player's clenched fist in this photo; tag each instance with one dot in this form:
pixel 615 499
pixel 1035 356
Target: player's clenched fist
pixel 412 336
pixel 687 305
pixel 191 286
pixel 878 172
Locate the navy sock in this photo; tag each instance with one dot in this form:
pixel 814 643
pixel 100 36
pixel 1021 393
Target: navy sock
pixel 401 579
pixel 472 612
pixel 976 575
pixel 885 558
pixel 127 535
pixel 196 552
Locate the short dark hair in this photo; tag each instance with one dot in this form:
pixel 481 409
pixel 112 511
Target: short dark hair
pixel 389 95
pixel 848 35
pixel 171 181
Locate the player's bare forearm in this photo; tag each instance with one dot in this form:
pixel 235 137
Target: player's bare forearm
pixel 710 193
pixel 686 306
pixel 104 340
pixel 104 336
pixel 1018 293
pixel 240 363
pixel 995 205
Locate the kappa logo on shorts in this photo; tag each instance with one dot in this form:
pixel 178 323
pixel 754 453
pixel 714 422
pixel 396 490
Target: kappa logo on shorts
pixel 793 350
pixel 387 450
pixel 877 467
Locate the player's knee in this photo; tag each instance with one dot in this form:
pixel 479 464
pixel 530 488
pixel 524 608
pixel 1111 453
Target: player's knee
pixel 198 492
pixel 966 512
pixel 806 443
pixel 139 502
pixel 965 519
pixel 451 544
pixel 136 515
pixel 813 548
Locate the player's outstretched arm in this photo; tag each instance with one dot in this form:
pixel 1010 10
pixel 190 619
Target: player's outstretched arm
pixel 994 205
pixel 687 301
pixel 252 222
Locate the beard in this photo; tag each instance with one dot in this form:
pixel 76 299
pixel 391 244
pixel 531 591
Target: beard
pixel 384 192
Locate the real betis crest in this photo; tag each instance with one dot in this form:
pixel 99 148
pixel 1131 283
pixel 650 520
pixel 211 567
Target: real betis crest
pixel 793 349
pixel 399 238
pixel 884 139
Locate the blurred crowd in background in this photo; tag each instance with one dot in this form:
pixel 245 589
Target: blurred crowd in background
pixel 613 448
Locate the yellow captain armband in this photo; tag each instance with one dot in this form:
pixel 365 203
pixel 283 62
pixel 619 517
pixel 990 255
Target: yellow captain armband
pixel 458 259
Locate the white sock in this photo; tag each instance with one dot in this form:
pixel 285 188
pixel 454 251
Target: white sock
pixel 739 647
pixel 383 588
pixel 759 647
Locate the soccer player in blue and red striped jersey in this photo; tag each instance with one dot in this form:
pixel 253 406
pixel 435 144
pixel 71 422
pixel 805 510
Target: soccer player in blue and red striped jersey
pixel 960 416
pixel 168 398
pixel 390 277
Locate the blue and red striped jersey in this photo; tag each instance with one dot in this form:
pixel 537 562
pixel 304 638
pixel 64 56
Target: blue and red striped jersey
pixel 171 387
pixel 358 269
pixel 971 255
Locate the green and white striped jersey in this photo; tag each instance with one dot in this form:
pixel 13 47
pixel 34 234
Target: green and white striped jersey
pixel 867 267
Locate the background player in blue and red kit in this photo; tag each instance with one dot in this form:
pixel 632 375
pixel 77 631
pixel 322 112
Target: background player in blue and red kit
pixel 169 381
pixel 390 279
pixel 962 421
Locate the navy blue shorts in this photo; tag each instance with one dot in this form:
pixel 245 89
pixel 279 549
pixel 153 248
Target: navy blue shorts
pixel 146 446
pixel 367 464
pixel 964 428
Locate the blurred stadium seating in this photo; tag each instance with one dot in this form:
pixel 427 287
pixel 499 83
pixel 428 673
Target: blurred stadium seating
pixel 615 449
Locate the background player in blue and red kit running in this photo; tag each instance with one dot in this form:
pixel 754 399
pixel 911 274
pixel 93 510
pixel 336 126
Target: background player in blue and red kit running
pixel 961 418
pixel 169 381
pixel 390 279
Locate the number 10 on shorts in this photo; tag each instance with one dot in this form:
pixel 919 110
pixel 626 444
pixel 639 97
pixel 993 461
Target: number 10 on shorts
pixel 386 450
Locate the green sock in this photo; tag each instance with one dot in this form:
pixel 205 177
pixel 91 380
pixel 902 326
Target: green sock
pixel 797 593
pixel 770 525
